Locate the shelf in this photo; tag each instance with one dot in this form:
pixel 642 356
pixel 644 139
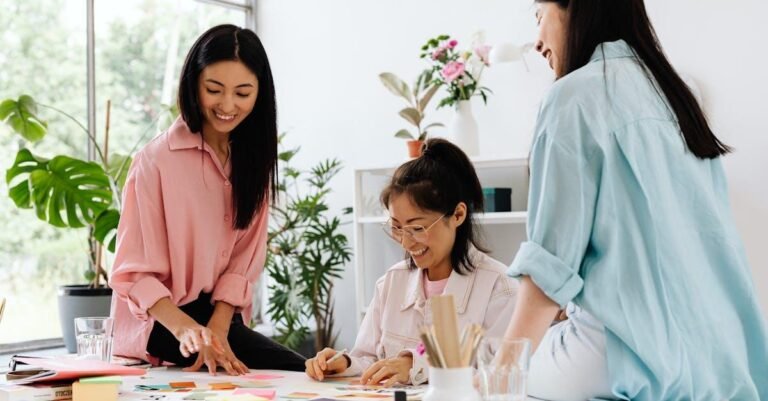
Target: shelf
pixel 482 218
pixel 478 162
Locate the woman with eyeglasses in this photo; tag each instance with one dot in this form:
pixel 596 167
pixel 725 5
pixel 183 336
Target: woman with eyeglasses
pixel 431 202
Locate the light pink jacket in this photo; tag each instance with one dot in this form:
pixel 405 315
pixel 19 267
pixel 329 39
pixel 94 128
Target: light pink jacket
pixel 175 237
pixel 391 325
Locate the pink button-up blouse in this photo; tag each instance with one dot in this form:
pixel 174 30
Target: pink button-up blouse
pixel 176 239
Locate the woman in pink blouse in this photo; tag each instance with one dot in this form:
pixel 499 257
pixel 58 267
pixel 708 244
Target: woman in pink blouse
pixel 193 231
pixel 431 202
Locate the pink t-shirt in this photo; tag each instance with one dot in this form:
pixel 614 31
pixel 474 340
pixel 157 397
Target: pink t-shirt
pixel 432 288
pixel 175 237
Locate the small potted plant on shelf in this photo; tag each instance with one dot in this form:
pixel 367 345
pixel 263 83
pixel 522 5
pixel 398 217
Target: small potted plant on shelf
pixel 417 100
pixel 67 192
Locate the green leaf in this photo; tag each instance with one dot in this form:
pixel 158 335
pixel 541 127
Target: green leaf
pixel 21 117
pixel 396 86
pixel 434 125
pixel 287 155
pixel 404 134
pixel 118 168
pixel 424 101
pixel 105 228
pixel 411 115
pixel 89 275
pixel 65 192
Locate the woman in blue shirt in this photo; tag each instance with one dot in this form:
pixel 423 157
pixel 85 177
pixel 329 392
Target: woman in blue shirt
pixel 629 226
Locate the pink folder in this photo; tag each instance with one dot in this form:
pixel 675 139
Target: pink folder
pixel 59 368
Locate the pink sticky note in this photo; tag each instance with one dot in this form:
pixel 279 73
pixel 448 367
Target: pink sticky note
pixel 258 392
pixel 257 376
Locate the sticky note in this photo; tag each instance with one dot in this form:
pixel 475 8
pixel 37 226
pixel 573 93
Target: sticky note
pixel 222 386
pixel 299 396
pixel 182 384
pixel 259 392
pixel 260 376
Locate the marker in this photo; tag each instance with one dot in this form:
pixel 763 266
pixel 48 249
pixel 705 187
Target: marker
pixel 336 356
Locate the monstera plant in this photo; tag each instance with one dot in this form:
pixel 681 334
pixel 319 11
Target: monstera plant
pixel 64 191
pixel 67 192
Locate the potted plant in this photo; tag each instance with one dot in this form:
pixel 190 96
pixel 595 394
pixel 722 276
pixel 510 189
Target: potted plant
pixel 417 100
pixel 68 192
pixel 306 252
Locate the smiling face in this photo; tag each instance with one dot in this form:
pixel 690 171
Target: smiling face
pixel 228 91
pixel 434 251
pixel 552 22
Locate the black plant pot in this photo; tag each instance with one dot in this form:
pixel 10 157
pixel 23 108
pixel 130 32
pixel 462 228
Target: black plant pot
pixel 80 301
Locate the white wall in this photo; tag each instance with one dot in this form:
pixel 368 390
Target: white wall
pixel 326 56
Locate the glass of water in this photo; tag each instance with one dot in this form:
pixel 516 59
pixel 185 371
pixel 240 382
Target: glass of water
pixel 502 366
pixel 94 337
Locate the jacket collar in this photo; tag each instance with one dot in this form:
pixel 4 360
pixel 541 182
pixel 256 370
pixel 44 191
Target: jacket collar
pixel 609 50
pixel 459 285
pixel 180 137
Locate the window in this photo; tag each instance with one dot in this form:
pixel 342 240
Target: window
pixel 139 52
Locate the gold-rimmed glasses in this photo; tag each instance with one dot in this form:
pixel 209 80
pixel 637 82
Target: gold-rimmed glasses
pixel 417 232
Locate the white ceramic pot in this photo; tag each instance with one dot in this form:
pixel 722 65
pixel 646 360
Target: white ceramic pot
pixel 463 129
pixel 451 385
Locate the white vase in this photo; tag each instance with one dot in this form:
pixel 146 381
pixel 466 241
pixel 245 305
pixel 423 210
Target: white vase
pixel 453 384
pixel 463 129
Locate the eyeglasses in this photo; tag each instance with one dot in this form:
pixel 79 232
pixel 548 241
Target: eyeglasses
pixel 416 232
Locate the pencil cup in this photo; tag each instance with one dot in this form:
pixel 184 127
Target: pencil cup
pixel 453 384
pixel 94 338
pixel 503 368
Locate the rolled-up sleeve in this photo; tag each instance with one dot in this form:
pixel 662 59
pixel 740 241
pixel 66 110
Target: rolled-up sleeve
pixel 235 285
pixel 141 260
pixel 364 354
pixel 565 172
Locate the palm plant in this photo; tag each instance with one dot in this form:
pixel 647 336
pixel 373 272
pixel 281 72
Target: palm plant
pixel 306 253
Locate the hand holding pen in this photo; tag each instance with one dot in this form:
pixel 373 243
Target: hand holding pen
pixel 327 361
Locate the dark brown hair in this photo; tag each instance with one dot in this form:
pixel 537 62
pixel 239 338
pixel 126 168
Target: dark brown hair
pixel 437 181
pixel 592 22
pixel 253 142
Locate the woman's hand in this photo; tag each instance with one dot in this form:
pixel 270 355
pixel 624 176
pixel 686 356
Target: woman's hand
pixel 213 358
pixel 393 370
pixel 193 338
pixel 318 366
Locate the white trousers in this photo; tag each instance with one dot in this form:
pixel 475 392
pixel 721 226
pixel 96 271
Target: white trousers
pixel 570 363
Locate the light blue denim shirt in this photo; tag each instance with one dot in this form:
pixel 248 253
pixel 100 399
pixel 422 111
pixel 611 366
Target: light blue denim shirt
pixel 627 223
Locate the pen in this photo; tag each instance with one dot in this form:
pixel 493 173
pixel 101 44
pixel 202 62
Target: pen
pixel 336 356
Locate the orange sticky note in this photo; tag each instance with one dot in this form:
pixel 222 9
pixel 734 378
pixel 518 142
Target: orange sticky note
pixel 223 386
pixel 182 384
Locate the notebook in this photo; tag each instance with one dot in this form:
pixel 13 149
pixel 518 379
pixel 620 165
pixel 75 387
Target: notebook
pixel 65 368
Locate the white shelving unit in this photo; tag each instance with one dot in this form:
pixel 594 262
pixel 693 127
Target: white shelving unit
pixel 502 232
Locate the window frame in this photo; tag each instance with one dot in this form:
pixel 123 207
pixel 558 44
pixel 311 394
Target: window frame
pixel 248 7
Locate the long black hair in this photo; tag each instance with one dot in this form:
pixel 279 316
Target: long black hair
pixel 253 142
pixel 438 180
pixel 592 22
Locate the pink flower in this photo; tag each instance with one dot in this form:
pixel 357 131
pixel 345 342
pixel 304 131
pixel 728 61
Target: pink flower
pixel 483 52
pixel 452 70
pixel 453 43
pixel 438 53
pixel 420 349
